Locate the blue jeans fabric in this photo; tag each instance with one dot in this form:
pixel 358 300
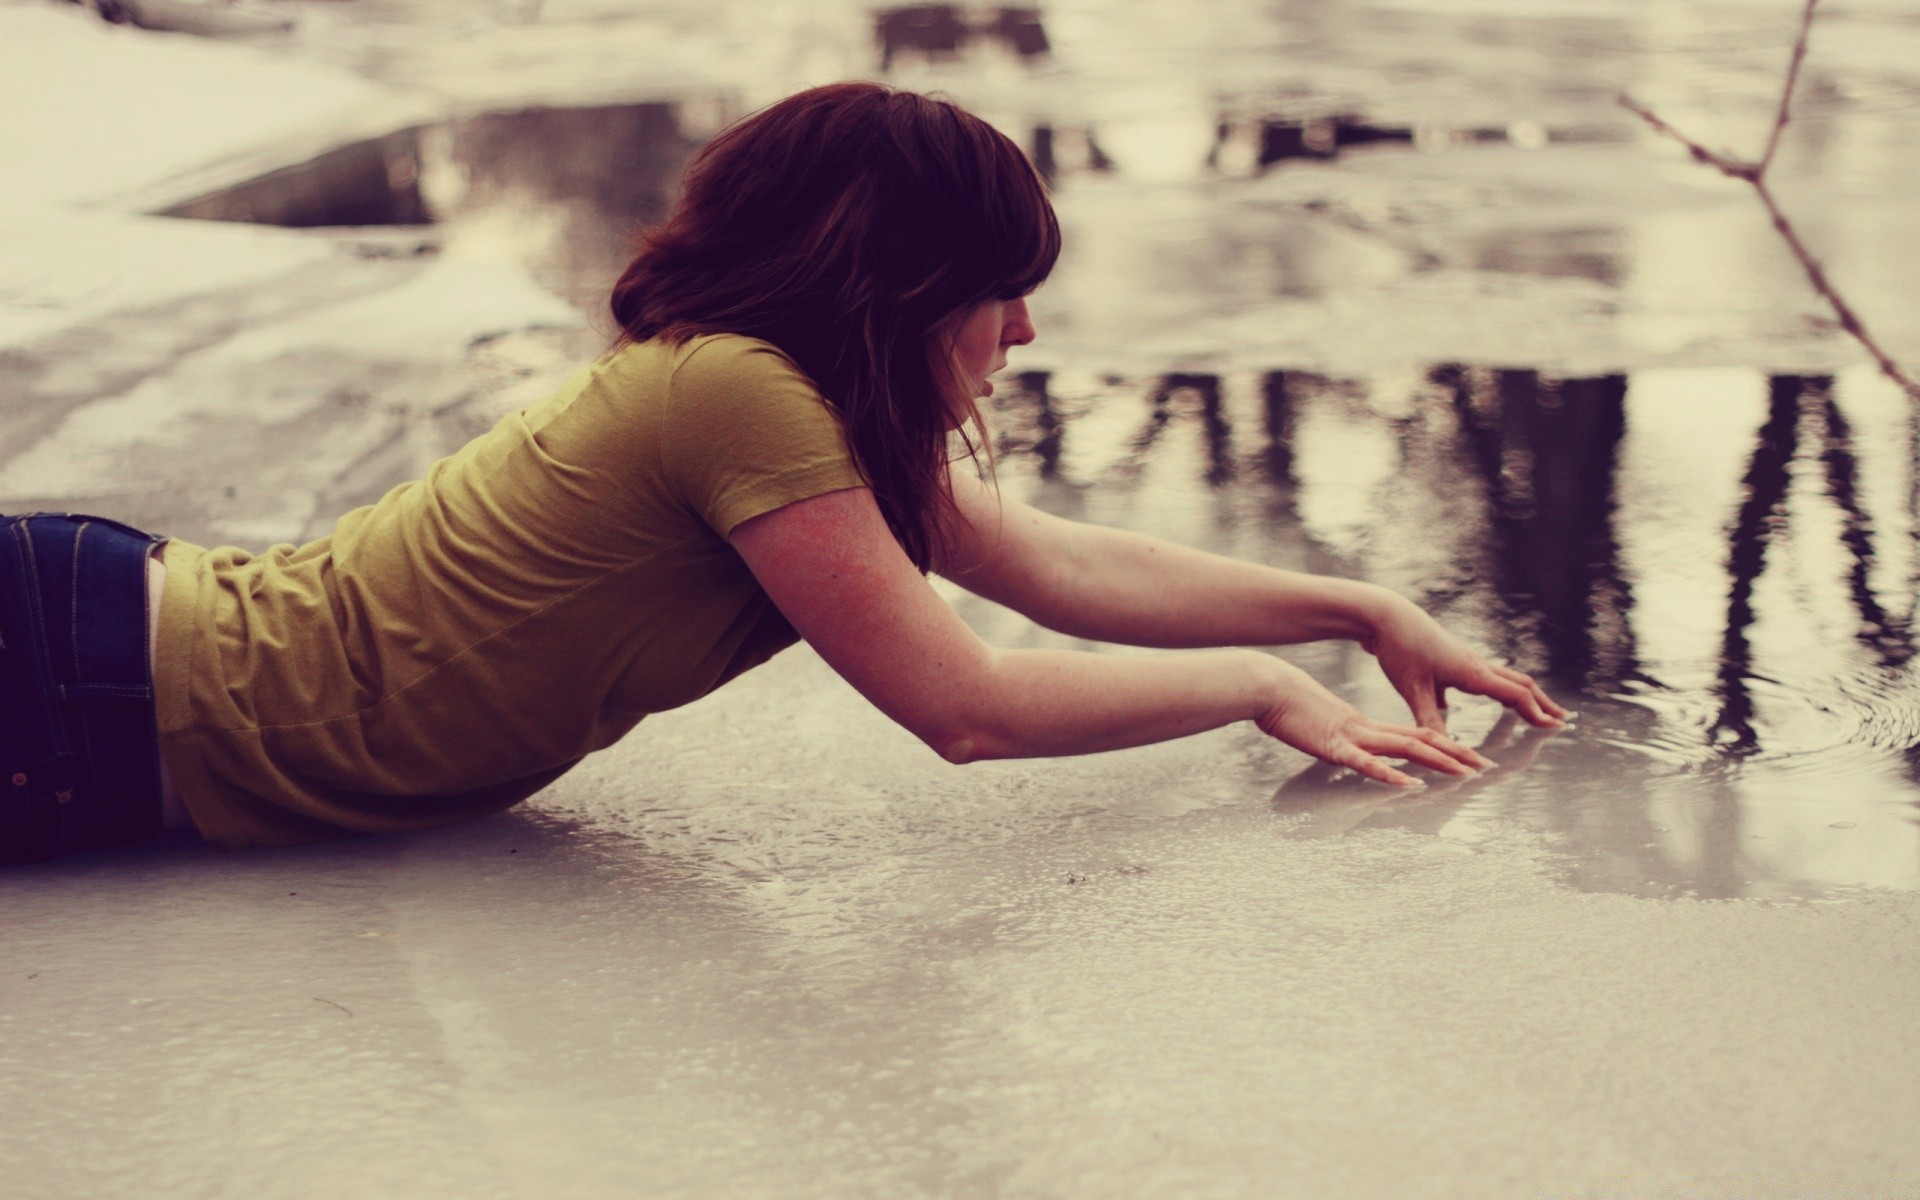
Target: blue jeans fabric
pixel 79 755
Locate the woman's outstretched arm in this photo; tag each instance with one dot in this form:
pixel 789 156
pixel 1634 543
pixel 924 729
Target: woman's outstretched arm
pixel 1117 586
pixel 834 570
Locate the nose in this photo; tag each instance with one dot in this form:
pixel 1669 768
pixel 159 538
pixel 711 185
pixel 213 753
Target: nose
pixel 1017 324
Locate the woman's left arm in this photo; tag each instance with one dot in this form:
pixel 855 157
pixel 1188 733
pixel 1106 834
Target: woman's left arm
pixel 1114 585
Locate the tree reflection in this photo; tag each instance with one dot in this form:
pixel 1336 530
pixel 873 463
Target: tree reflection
pixel 1028 423
pixel 1205 389
pixel 1794 401
pixel 1545 451
pixel 942 32
pixel 1278 401
pixel 1887 637
pixel 1659 802
pixel 1761 518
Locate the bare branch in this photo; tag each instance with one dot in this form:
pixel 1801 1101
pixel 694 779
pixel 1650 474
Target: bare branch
pixel 1726 164
pixel 1842 311
pixel 1755 174
pixel 1793 81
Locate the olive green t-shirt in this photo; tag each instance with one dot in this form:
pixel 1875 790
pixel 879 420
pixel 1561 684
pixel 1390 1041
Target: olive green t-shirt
pixel 455 647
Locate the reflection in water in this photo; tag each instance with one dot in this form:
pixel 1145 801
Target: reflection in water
pixel 370 182
pixel 1055 150
pixel 561 190
pixel 1326 803
pixel 1797 403
pixel 941 32
pixel 1890 638
pixel 1545 453
pixel 945 33
pixel 1253 143
pixel 1762 518
pixel 1276 411
pixel 1664 786
pixel 1031 424
pixel 1201 392
pixel 1269 140
pixel 1576 253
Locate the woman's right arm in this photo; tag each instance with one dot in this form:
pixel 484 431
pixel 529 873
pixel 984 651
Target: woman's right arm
pixel 832 567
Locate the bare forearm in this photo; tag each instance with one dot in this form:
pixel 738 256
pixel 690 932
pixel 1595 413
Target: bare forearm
pixel 1119 586
pixel 1037 703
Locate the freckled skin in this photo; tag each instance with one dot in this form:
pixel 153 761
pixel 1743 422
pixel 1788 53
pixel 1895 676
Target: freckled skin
pixel 831 565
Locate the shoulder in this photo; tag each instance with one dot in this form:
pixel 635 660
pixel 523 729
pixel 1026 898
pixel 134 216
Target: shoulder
pixel 707 369
pixel 745 431
pixel 735 362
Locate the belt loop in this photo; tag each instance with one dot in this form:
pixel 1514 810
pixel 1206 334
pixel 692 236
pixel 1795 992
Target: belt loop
pixel 36 662
pixel 73 592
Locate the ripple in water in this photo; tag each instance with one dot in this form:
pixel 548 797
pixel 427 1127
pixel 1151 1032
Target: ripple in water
pixel 1704 564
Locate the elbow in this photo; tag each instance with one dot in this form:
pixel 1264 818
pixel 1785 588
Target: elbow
pixel 958 723
pixel 960 713
pixel 961 746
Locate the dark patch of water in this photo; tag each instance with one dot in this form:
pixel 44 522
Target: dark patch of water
pixel 370 182
pixel 1056 151
pixel 1257 142
pixel 563 190
pixel 944 32
pixel 185 16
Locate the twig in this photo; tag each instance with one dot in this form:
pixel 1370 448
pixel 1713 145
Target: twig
pixel 343 1008
pixel 1755 174
pixel 1785 114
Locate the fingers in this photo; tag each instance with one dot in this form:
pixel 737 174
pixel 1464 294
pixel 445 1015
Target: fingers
pixel 1428 749
pixel 1428 702
pixel 1539 693
pixel 1350 755
pixel 1422 747
pixel 1520 693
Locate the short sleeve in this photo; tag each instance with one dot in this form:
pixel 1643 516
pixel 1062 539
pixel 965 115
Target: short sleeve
pixel 747 432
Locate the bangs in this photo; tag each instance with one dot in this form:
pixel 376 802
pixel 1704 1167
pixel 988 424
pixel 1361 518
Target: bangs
pixel 1022 241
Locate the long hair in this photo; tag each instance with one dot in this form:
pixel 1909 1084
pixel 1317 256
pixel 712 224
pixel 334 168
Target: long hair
pixel 851 225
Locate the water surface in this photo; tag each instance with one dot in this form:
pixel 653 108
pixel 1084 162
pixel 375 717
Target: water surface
pixel 1397 292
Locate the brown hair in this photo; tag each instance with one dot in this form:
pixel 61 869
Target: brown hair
pixel 850 225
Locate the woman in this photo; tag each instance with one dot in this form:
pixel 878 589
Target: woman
pixel 766 453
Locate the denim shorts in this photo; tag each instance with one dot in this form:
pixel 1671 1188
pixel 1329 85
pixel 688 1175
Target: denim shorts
pixel 79 756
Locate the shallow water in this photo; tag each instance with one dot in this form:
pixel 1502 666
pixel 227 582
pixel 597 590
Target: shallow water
pixel 1732 621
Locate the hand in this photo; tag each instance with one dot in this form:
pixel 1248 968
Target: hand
pixel 1422 661
pixel 1308 717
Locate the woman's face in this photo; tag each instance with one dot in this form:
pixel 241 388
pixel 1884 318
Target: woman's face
pixel 981 340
